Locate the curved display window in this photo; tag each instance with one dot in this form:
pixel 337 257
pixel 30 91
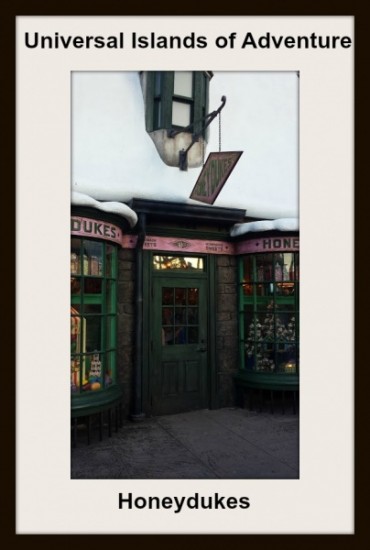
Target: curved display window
pixel 93 322
pixel 269 313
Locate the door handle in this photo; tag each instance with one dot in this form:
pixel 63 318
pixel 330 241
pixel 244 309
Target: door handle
pixel 202 347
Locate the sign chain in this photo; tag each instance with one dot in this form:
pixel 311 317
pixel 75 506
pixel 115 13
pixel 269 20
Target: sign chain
pixel 219 132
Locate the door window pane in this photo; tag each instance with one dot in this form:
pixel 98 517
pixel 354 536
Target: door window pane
pixel 192 316
pixel 193 296
pixel 167 296
pixel 180 335
pixel 180 296
pixel 180 316
pixel 167 316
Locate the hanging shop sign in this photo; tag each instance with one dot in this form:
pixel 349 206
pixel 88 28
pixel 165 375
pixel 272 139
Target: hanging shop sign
pixel 180 245
pixel 212 178
pixel 268 244
pixel 87 227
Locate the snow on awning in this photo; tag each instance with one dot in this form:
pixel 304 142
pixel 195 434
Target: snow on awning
pixel 281 224
pixel 80 199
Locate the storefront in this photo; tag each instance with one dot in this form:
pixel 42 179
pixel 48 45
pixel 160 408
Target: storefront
pixel 180 298
pixel 268 281
pixel 95 387
pixel 177 314
pixel 189 314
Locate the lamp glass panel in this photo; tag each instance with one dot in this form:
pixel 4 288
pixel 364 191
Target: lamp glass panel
pixel 180 114
pixel 183 84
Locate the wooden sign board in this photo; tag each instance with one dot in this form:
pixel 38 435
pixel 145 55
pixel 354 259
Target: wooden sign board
pixel 212 178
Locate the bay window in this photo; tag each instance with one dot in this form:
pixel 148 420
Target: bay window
pixel 93 315
pixel 269 312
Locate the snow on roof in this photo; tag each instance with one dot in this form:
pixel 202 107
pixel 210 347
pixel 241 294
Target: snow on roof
pixel 118 208
pixel 281 224
pixel 114 159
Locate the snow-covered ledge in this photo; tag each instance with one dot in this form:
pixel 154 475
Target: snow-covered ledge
pixel 80 199
pixel 281 224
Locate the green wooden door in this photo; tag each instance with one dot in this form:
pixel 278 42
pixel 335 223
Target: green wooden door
pixel 179 355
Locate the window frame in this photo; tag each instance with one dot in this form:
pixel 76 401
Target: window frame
pixel 259 305
pixel 160 96
pixel 108 315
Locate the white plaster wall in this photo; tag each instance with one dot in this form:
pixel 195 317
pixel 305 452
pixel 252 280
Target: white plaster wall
pixel 113 158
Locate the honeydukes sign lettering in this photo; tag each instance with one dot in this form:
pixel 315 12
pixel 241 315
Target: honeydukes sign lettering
pixel 87 227
pixel 214 175
pixel 269 244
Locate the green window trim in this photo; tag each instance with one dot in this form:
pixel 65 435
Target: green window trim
pixel 93 315
pixel 269 313
pixel 160 95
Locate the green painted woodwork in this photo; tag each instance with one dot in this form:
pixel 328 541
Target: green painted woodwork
pixel 94 309
pixel 159 95
pixel 153 282
pixel 94 402
pixel 212 339
pixel 267 380
pixel 268 324
pixel 179 345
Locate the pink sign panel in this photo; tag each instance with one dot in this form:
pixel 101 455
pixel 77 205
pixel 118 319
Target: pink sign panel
pixel 87 227
pixel 268 244
pixel 171 244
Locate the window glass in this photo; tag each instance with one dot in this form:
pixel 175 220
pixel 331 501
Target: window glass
pixel 110 260
pixel 158 77
pixel 110 331
pixel 263 267
pixel 93 319
pixel 167 295
pixel 247 264
pixel 269 312
pixel 180 316
pixel 111 296
pixel 109 368
pixel 92 286
pixel 157 122
pixel 181 114
pixel 180 296
pixel 75 256
pixel 188 263
pixel 93 333
pixel 183 84
pixel 176 100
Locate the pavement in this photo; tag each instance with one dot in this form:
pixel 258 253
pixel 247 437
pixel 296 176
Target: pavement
pixel 228 443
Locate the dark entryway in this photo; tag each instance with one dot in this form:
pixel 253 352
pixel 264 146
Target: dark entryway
pixel 179 340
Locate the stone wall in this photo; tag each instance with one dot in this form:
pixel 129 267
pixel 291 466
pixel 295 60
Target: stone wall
pixel 126 326
pixel 226 328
